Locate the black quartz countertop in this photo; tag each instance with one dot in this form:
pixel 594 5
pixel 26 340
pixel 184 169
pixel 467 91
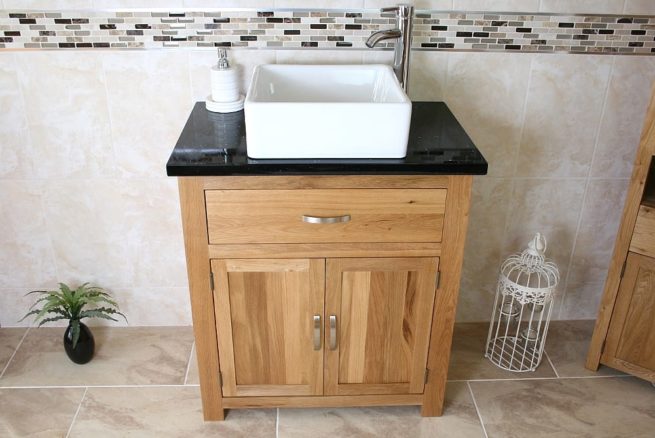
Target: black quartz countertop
pixel 215 144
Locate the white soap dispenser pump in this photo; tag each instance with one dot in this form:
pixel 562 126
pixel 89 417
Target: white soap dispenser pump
pixel 226 96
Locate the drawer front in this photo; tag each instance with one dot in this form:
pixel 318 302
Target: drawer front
pixel 643 237
pixel 290 216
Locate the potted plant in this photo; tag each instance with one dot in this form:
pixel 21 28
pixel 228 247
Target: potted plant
pixel 73 305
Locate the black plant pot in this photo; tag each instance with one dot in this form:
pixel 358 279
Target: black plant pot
pixel 83 351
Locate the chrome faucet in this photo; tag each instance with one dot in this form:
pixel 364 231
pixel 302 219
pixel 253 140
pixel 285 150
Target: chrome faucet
pixel 403 34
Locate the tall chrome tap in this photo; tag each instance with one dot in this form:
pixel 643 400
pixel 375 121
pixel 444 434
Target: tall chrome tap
pixel 403 34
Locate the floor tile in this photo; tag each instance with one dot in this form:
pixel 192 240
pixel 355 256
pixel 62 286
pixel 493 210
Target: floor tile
pixel 583 407
pixel 124 356
pixel 459 419
pixel 567 344
pixel 162 412
pixel 38 412
pixel 467 361
pixel 9 340
pixel 192 377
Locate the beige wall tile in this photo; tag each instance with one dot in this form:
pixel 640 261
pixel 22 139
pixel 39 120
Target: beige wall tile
pixel 644 7
pixel 67 113
pixel 583 6
pixel 113 4
pixel 48 4
pixel 427 74
pixel 486 92
pixel 484 242
pixel 163 412
pixel 155 306
pixel 268 4
pixel 580 301
pixel 319 57
pixel 563 111
pixel 149 96
pixel 320 4
pixel 14 304
pixel 26 256
pixel 15 153
pixel 623 116
pixel 38 412
pixel 200 63
pixel 548 206
pixel 599 224
pixel 496 5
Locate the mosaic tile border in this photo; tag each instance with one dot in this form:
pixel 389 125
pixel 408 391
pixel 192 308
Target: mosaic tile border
pixel 324 29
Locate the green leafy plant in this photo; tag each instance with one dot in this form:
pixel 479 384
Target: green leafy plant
pixel 73 305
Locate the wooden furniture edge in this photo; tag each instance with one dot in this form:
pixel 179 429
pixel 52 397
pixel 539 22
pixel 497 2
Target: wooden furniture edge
pixel 624 236
pixel 443 319
pixel 322 401
pixel 202 301
pixel 264 182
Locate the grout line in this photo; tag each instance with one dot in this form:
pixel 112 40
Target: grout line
pixel 277 423
pixel 477 410
pixel 188 364
pixel 541 378
pixel 565 284
pixel 76 412
pixel 551 363
pixel 97 386
pixel 14 353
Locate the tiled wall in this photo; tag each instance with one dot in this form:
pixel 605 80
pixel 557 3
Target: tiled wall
pixel 85 134
pixel 325 29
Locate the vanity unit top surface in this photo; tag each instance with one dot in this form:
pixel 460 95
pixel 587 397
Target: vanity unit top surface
pixel 215 144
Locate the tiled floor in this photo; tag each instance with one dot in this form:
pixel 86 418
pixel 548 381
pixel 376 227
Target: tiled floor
pixel 144 382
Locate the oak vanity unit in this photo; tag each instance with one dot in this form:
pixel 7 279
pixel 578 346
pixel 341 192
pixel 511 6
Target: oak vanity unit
pixel 324 282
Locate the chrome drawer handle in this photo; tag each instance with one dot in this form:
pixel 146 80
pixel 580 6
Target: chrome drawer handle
pixel 333 332
pixel 326 220
pixel 317 332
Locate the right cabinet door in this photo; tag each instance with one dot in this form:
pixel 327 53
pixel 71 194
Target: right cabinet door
pixel 378 318
pixel 630 344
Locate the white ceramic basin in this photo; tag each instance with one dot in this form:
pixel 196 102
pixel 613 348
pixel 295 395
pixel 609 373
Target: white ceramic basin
pixel 326 111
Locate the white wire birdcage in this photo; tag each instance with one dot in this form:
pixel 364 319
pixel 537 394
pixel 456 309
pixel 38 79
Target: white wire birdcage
pixel 522 309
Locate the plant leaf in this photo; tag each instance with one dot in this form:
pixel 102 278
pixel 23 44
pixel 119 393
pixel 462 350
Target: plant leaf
pixel 54 318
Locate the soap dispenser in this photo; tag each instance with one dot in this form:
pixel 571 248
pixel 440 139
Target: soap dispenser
pixel 226 96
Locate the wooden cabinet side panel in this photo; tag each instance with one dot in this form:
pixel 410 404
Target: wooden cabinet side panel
pixel 192 202
pixel 631 336
pixel 624 236
pixel 443 319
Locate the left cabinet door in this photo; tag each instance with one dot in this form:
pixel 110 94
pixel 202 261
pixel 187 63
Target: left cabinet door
pixel 269 321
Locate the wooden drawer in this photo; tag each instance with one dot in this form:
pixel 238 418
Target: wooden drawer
pixel 276 216
pixel 643 237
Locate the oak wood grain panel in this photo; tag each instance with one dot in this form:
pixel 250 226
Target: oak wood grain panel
pixel 443 319
pixel 264 182
pixel 298 250
pixel 631 336
pixel 323 401
pixel 192 201
pixel 275 216
pixel 383 309
pixel 265 319
pixel 643 237
pixel 622 244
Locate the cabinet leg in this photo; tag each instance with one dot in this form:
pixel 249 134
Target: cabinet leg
pixel 214 414
pixel 431 410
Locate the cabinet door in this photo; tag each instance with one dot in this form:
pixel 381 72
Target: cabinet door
pixel 269 317
pixel 630 344
pixel 378 317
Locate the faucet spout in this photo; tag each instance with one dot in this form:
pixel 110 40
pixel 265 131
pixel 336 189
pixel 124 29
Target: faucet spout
pixel 403 36
pixel 381 35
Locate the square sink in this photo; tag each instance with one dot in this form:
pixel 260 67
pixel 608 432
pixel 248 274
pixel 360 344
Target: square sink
pixel 326 111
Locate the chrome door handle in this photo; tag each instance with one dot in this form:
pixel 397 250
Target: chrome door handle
pixel 326 220
pixel 333 332
pixel 317 332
